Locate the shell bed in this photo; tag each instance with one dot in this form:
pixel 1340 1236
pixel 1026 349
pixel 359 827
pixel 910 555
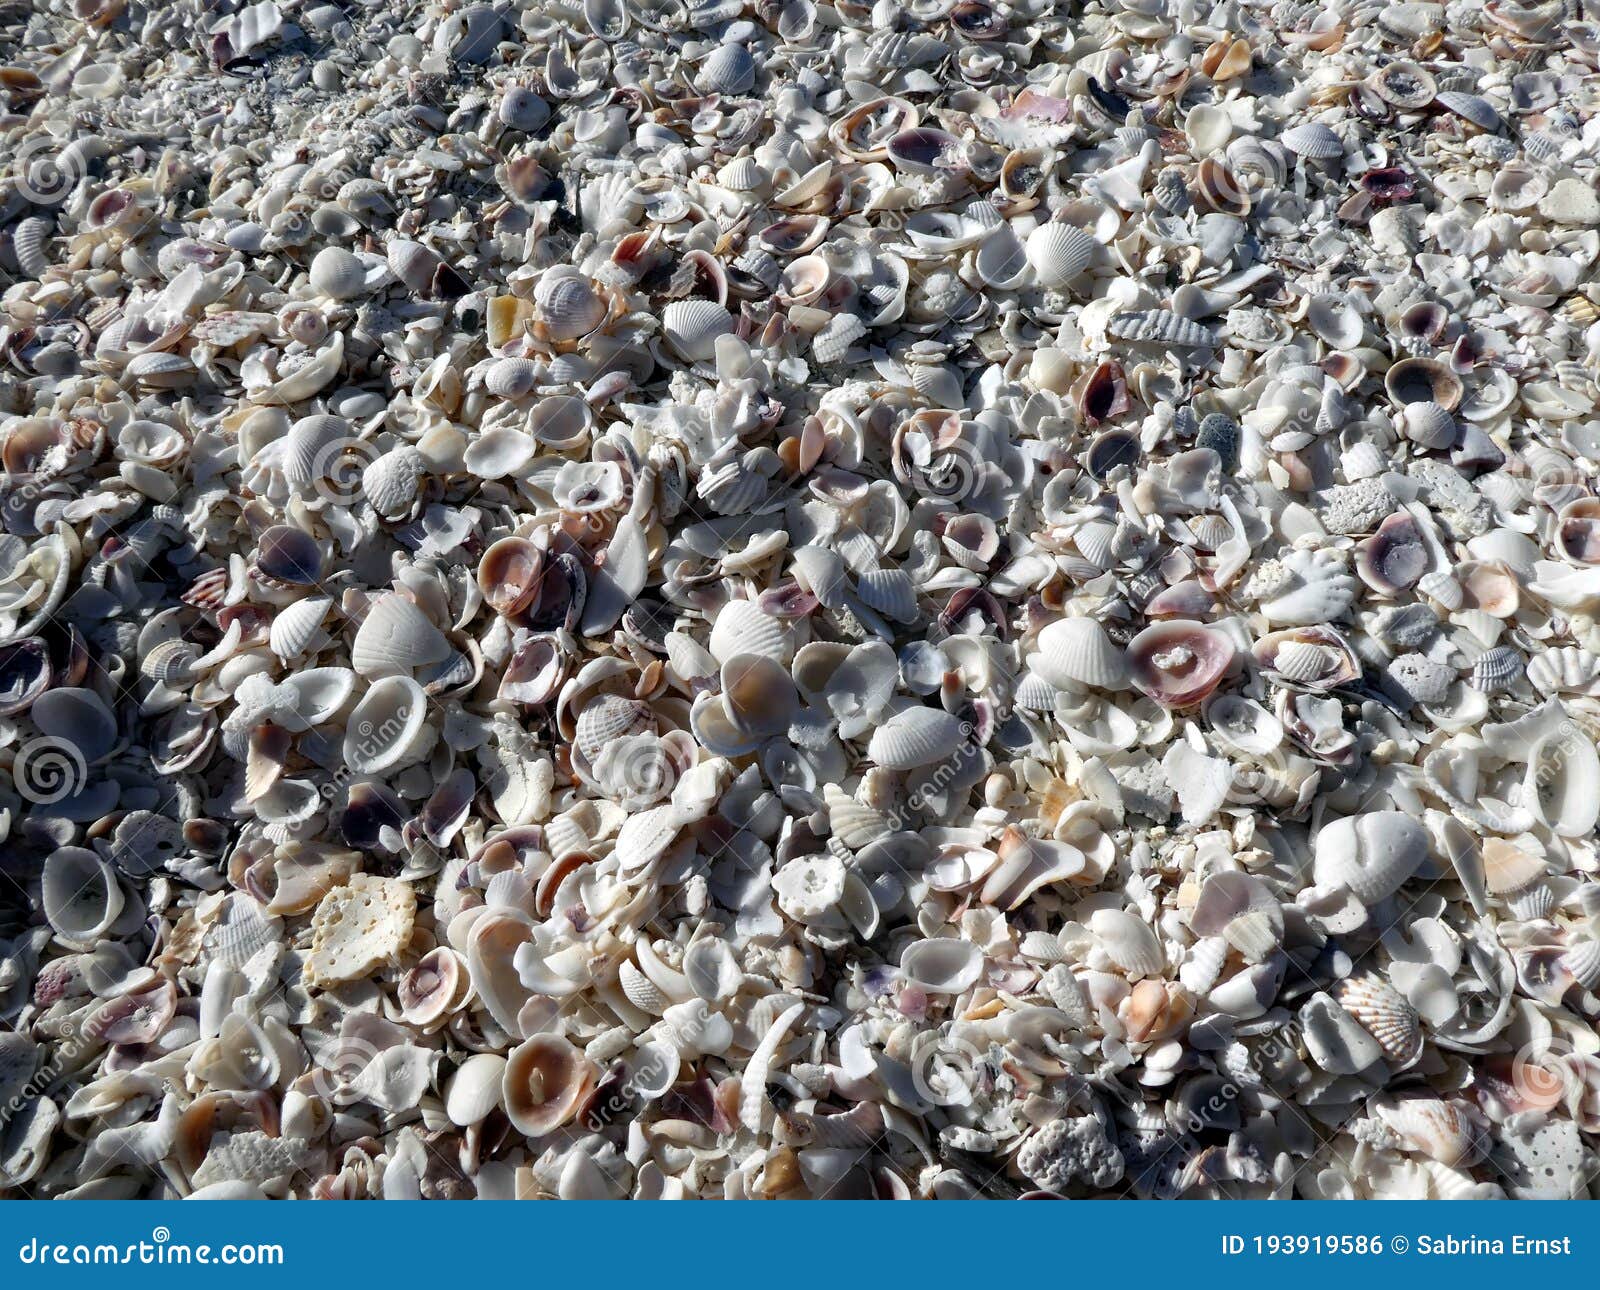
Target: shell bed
pixel 765 598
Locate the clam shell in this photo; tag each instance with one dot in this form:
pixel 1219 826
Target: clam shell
pixel 743 627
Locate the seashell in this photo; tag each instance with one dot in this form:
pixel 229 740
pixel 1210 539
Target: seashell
pixel 543 1083
pixel 1438 1128
pixel 915 737
pixel 1178 662
pixel 1403 84
pixel 1469 107
pixel 395 639
pixel 1562 784
pixel 1370 856
pixel 339 274
pixel 942 966
pixel 1384 1014
pixel 82 895
pixel 298 627
pixel 1160 327
pixel 1313 140
pixel 1309 658
pixel 1423 380
pixel 743 627
pixel 1075 652
pixel 729 69
pixel 1058 253
pixel 1128 942
pixel 358 927
pixel 1395 557
pixel 388 728
pixel 692 327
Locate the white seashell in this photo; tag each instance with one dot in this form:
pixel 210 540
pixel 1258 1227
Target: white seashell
pixel 1076 652
pixel 916 736
pixel 389 728
pixel 743 627
pixel 1313 140
pixel 1058 253
pixel 889 591
pixel 359 927
pixel 473 1092
pixel 1562 784
pixel 298 628
pixel 396 638
pixel 1128 942
pixel 82 895
pixel 692 327
pixel 1370 855
pixel 943 965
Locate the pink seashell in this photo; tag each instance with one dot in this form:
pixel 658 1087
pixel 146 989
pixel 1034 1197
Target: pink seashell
pixel 1179 662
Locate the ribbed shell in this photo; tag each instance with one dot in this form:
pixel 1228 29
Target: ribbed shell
pixel 692 327
pixel 390 482
pixel 743 627
pixel 27 244
pixel 298 625
pixel 916 737
pixel 1160 327
pixel 1384 1014
pixel 890 592
pixel 1077 652
pixel 1314 139
pixel 396 637
pixel 1058 253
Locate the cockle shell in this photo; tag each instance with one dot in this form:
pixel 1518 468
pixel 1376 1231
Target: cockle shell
pixel 1058 253
pixel 1077 652
pixel 396 638
pixel 916 736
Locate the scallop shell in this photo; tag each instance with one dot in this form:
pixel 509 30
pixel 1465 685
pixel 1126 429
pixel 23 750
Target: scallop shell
pixel 1058 253
pixel 1384 1014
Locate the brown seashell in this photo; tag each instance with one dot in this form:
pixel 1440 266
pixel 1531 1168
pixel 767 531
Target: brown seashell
pixel 545 1081
pixel 1423 380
